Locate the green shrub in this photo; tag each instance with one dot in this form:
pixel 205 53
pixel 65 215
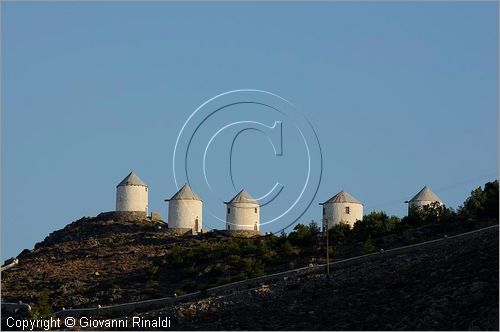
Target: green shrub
pixel 482 202
pixel 232 259
pixel 83 290
pixel 251 267
pixel 313 227
pixel 257 269
pixel 247 247
pixel 179 291
pixel 470 223
pixel 152 284
pixel 282 238
pixel 240 276
pixel 190 286
pixel 203 251
pixel 176 256
pixel 412 240
pixel 368 246
pixel 268 258
pixel 374 224
pixel 272 241
pixel 285 249
pixel 262 248
pixel 190 270
pixel 153 271
pixel 340 233
pixel 42 308
pixel 231 248
pixel 303 236
pixel 223 280
pixel 331 251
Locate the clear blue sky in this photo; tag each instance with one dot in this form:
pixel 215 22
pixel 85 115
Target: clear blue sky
pixel 400 95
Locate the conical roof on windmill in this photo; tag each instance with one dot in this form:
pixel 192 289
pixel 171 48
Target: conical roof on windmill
pixel 342 197
pixel 243 197
pixel 185 193
pixel 132 180
pixel 427 195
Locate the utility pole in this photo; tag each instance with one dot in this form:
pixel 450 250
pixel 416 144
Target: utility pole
pixel 327 254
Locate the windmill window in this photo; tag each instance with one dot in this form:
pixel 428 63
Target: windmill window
pixel 228 210
pixel 255 210
pixel 347 210
pixel 324 211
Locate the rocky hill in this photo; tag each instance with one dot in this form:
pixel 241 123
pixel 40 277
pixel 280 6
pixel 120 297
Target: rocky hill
pixel 107 260
pixel 90 261
pixel 452 285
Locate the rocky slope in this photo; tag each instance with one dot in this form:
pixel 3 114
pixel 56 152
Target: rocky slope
pixel 449 286
pixel 90 261
pixel 101 261
pixel 104 261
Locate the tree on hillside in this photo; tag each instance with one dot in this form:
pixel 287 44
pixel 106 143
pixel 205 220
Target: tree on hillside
pixel 368 246
pixel 374 224
pixel 482 202
pixel 42 308
pixel 314 227
pixel 340 233
pixel 434 212
pixel 304 236
pixel 285 249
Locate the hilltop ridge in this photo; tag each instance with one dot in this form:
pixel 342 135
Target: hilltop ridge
pixel 101 261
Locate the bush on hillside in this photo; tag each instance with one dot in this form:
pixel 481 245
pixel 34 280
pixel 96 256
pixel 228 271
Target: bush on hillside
pixel 42 307
pixel 304 236
pixel 340 233
pixel 375 224
pixel 482 202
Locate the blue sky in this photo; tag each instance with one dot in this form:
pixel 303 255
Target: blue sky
pixel 400 95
